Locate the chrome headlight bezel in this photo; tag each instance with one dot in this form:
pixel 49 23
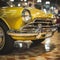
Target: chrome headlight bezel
pixel 26 15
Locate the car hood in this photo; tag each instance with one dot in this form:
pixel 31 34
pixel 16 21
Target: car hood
pixel 36 13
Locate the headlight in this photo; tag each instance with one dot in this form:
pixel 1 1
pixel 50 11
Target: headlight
pixel 26 16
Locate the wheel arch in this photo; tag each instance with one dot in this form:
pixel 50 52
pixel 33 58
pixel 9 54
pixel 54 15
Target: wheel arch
pixel 8 42
pixel 5 23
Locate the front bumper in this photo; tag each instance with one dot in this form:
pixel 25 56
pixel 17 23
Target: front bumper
pixel 27 36
pixel 31 36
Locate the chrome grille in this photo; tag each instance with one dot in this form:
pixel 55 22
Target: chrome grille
pixel 37 26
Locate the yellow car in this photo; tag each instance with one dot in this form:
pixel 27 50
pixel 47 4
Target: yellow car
pixel 23 25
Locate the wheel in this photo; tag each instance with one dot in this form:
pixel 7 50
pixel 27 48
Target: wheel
pixel 6 42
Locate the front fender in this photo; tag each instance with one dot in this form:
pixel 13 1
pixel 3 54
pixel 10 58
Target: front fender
pixel 12 17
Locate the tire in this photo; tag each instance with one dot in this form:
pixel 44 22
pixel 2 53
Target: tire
pixel 6 42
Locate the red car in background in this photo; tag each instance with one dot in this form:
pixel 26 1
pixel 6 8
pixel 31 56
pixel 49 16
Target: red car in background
pixel 58 21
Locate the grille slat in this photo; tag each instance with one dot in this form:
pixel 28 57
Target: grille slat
pixel 37 26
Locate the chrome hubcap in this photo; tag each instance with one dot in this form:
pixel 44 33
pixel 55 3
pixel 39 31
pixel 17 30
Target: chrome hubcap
pixel 2 38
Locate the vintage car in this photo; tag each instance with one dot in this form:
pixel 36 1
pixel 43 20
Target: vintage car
pixel 23 25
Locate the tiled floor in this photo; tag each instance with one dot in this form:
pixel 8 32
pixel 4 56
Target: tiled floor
pixel 37 52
